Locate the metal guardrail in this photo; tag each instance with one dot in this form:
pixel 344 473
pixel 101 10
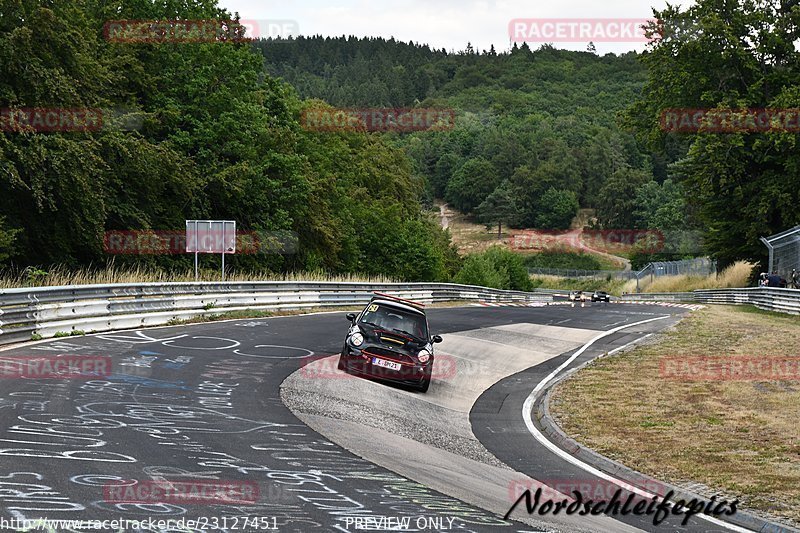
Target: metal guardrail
pixel 767 298
pixel 551 291
pixel 46 311
pixel 661 296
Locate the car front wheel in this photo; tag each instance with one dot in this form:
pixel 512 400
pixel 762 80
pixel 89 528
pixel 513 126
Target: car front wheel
pixel 426 381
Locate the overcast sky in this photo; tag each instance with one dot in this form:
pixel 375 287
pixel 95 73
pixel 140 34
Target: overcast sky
pixel 442 23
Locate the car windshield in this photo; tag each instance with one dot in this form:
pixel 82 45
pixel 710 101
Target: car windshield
pixel 395 319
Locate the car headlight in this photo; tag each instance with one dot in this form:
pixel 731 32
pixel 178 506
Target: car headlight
pixel 356 339
pixel 423 356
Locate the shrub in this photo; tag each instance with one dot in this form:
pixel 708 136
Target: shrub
pixel 498 268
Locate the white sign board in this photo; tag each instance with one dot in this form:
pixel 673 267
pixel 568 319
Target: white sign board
pixel 211 236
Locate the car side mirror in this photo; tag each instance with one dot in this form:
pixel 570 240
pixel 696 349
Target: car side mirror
pixel 351 317
pixel 436 339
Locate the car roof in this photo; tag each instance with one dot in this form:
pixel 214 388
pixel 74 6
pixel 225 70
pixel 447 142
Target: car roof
pixel 398 305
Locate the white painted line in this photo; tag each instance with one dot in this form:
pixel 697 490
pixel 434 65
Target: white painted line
pixel 615 350
pixel 583 348
pixel 527 408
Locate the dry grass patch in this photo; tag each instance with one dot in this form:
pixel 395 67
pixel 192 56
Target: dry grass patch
pixel 735 276
pixel 740 437
pixel 470 237
pixel 111 273
pixel 612 286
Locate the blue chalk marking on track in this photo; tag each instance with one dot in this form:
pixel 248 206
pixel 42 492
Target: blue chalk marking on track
pixel 147 382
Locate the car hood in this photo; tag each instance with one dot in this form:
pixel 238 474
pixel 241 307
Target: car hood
pixel 392 340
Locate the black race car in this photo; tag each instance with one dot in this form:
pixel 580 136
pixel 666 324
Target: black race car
pixel 389 340
pixel 600 296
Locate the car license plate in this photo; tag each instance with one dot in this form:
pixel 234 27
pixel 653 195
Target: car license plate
pixel 385 364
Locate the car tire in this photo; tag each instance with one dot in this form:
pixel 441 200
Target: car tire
pixel 341 366
pixel 426 381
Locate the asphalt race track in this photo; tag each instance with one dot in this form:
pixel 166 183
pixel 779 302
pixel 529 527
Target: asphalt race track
pixel 203 403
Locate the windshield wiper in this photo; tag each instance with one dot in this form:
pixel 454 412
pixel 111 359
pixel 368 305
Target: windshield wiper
pixel 406 332
pixel 374 325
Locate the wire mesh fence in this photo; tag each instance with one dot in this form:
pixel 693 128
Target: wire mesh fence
pixel 701 266
pixel 784 252
pixel 577 273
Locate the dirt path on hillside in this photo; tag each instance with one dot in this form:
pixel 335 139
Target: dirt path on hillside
pixel 471 237
pixel 615 258
pixel 443 214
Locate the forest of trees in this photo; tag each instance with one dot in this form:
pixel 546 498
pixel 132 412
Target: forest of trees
pixel 541 132
pixel 218 140
pixel 540 125
pixel 538 134
pixel 727 55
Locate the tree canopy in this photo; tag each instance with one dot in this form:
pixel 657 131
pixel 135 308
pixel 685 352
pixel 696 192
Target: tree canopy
pixel 215 137
pixel 720 54
pixel 214 130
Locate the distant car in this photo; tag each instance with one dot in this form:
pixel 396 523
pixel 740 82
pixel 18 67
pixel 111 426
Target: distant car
pixel 600 296
pixel 577 296
pixel 389 340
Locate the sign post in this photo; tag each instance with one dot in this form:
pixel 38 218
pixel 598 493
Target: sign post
pixel 210 237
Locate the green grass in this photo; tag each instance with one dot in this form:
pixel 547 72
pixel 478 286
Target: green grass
pixel 568 260
pixel 789 319
pixel 59 334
